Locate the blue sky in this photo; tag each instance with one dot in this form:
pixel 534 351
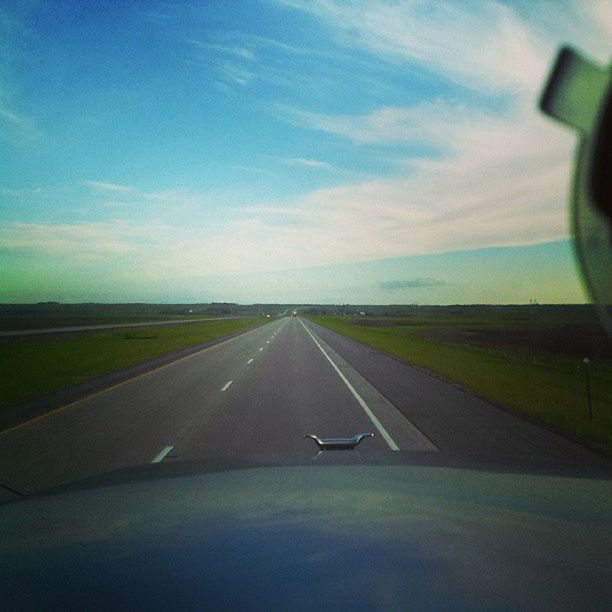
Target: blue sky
pixel 286 151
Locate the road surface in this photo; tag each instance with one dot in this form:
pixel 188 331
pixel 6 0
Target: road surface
pixel 259 393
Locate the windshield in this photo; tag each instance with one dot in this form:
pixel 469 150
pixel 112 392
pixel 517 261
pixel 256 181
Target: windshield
pixel 227 226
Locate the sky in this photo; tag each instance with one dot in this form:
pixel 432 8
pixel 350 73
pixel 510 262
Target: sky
pixel 287 151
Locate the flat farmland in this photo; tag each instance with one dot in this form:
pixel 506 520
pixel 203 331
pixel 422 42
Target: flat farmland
pixel 528 359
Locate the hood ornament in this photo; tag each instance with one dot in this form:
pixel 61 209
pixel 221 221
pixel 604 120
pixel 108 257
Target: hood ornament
pixel 339 443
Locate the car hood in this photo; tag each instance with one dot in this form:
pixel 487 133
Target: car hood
pixel 358 536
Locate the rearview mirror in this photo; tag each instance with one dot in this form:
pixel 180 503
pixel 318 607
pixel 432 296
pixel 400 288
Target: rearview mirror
pixel 578 94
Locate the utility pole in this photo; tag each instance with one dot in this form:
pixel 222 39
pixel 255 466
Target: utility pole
pixel 586 361
pixel 532 331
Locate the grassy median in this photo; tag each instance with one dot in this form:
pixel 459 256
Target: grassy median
pixel 549 388
pixel 35 365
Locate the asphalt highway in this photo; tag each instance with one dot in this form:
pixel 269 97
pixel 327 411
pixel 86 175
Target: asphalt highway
pixel 259 393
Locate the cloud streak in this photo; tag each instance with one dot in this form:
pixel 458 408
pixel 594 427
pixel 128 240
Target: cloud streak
pixel 105 187
pixel 308 163
pixel 445 37
pixel 18 126
pixel 415 283
pixel 304 162
pixel 240 52
pixel 495 181
pixel 121 194
pixel 234 63
pixel 85 242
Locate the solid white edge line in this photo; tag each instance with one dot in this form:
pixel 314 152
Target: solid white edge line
pixel 383 432
pixel 162 455
pixel 226 386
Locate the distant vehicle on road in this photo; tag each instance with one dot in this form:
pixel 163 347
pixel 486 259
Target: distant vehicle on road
pixel 294 314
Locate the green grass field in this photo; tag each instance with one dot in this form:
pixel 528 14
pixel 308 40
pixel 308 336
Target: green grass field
pixel 36 365
pixel 547 387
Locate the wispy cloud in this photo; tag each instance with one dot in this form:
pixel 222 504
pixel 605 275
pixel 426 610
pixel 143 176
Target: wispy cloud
pixel 489 47
pixel 495 181
pixel 435 123
pixel 129 194
pixel 113 187
pixel 264 41
pixel 22 192
pixel 237 51
pixel 316 164
pixel 234 63
pixel 415 283
pixel 255 170
pixel 445 37
pixel 236 73
pixel 509 192
pixel 12 116
pixel 18 126
pixel 242 58
pixel 86 241
pixel 159 17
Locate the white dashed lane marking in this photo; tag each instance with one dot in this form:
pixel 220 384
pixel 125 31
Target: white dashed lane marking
pixel 161 456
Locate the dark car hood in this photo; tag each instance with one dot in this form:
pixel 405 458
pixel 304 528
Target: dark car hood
pixel 333 536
